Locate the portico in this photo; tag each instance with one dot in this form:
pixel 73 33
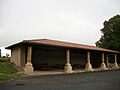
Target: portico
pixel 45 54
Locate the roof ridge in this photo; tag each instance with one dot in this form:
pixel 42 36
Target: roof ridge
pixel 34 39
pixel 61 41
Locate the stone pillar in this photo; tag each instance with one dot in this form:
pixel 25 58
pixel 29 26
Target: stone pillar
pixel 103 66
pixel 28 66
pixel 115 63
pixel 68 67
pixel 88 66
pixel 107 61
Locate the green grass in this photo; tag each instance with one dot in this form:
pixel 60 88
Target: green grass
pixel 6 68
pixel 5 77
pixel 4 59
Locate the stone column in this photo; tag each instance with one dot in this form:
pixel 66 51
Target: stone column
pixel 115 63
pixel 68 67
pixel 28 66
pixel 88 66
pixel 103 66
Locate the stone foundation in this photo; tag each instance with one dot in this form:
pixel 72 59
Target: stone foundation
pixel 28 68
pixel 115 66
pixel 88 67
pixel 103 66
pixel 68 68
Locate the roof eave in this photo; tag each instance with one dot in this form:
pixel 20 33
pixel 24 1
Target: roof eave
pixel 11 46
pixel 35 43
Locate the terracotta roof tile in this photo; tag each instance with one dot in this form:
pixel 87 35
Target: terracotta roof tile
pixel 67 44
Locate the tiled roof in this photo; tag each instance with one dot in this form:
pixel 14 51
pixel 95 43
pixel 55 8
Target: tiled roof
pixel 64 44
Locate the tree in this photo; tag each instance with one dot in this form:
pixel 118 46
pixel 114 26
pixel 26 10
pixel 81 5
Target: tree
pixel 7 55
pixel 110 38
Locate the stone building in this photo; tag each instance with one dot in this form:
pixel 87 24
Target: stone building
pixel 45 54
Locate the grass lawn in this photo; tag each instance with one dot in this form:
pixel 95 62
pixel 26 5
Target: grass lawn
pixel 6 69
pixel 5 77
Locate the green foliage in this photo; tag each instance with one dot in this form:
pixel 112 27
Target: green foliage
pixel 111 34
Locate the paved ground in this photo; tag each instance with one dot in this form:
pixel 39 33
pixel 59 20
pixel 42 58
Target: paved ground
pixel 105 80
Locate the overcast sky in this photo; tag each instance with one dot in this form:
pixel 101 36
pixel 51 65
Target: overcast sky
pixel 67 20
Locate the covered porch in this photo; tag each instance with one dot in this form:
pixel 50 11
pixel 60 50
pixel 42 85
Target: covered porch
pixel 57 60
pixel 45 55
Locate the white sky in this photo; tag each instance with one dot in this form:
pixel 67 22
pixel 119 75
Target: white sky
pixel 77 21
